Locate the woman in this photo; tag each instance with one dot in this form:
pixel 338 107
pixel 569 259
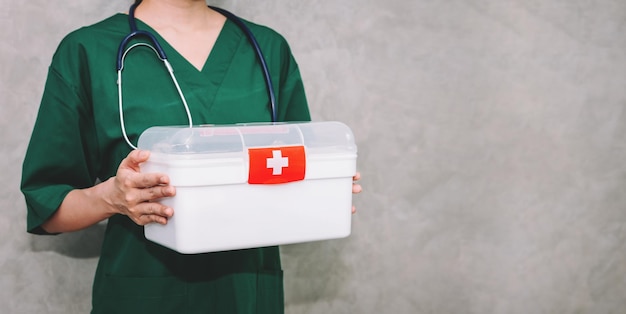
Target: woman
pixel 79 170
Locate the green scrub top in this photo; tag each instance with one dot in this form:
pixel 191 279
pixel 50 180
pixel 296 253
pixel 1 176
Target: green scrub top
pixel 77 140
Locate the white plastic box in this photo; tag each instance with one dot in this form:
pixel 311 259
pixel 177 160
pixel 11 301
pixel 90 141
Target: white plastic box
pixel 229 184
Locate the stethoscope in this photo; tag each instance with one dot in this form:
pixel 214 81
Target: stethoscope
pixel 160 53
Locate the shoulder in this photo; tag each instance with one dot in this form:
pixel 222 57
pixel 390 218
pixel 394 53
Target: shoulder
pixel 263 30
pixel 274 45
pixel 267 36
pixel 111 28
pixel 81 52
pixel 94 40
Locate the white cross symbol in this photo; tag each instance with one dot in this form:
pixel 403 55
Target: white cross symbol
pixel 277 162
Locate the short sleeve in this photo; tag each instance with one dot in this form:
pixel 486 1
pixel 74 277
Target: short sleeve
pixel 59 157
pixel 292 94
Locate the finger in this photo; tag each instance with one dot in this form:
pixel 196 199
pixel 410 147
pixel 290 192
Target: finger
pixel 356 188
pixel 146 180
pixel 156 208
pixel 148 219
pixel 135 158
pixel 357 177
pixel 155 218
pixel 157 192
pixel 138 156
pixel 150 212
pixel 353 209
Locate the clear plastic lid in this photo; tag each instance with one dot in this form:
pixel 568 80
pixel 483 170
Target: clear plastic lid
pixel 317 137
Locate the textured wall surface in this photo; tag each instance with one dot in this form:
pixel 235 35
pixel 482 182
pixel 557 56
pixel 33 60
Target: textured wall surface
pixel 492 143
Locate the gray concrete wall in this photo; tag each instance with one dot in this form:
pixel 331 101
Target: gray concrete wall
pixel 492 142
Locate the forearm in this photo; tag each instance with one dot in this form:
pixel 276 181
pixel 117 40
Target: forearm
pixel 129 193
pixel 80 209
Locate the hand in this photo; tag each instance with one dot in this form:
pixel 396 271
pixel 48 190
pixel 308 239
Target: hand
pixel 136 194
pixel 356 188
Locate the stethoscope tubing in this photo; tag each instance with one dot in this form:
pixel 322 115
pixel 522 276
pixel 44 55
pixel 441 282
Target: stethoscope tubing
pixel 261 58
pixel 160 53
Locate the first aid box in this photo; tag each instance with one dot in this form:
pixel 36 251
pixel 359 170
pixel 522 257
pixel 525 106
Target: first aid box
pixel 252 185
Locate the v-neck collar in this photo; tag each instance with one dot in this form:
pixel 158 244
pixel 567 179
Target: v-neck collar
pixel 213 73
pixel 218 59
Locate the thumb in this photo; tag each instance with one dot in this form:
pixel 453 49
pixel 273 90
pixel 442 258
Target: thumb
pixel 135 158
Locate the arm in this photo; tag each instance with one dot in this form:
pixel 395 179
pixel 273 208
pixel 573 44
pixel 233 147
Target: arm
pixel 64 158
pixel 356 188
pixel 129 193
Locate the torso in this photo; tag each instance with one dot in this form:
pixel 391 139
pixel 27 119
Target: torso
pixel 135 275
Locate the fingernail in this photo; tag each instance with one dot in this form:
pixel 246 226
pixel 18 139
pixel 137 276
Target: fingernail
pixel 169 191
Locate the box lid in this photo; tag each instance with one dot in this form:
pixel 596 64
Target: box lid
pixel 233 149
pixel 185 142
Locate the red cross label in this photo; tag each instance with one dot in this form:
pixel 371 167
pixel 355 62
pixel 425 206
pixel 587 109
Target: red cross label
pixel 275 165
